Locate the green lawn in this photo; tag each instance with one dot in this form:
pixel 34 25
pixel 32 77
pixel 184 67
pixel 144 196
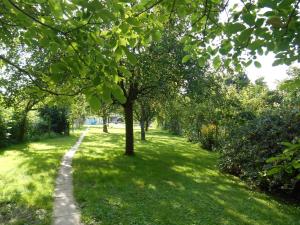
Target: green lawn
pixel 169 181
pixel 27 178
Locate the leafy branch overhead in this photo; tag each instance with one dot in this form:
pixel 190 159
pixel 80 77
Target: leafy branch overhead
pixel 85 42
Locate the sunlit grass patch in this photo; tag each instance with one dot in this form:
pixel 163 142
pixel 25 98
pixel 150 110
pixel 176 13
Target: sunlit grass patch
pixel 168 181
pixel 27 178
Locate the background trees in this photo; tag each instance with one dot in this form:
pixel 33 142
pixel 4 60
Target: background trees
pixel 180 57
pixel 66 48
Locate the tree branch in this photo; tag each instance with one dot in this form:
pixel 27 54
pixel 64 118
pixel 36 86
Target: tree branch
pixel 292 14
pixel 35 19
pixel 36 83
pixel 148 8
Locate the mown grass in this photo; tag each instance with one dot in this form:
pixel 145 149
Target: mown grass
pixel 27 178
pixel 169 181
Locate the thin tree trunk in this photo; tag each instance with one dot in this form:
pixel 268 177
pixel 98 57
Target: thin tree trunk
pixel 143 134
pixel 128 111
pixel 22 131
pixel 105 129
pixel 49 125
pixel 147 125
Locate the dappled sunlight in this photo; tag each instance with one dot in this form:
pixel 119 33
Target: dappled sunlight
pixel 27 178
pixel 166 182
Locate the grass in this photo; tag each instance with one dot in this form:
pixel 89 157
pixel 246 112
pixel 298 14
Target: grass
pixel 27 178
pixel 169 181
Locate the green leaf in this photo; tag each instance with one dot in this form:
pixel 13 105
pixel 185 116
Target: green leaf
pixel 57 70
pixel 245 35
pixel 106 94
pixel 118 93
pixel 225 47
pixel 257 64
pixel 259 22
pixel 186 58
pixel 233 28
pixel 274 170
pixel 256 45
pixel 277 62
pixel 130 56
pixel 296 164
pixel 202 61
pixel 118 53
pixel 106 15
pixel 272 159
pixel 217 62
pixel 156 35
pixel 298 177
pixel 124 27
pixel 94 102
pixel 285 4
pixel 266 3
pixel 125 72
pixel 249 19
pixel 133 21
pixel 55 6
pixel 260 51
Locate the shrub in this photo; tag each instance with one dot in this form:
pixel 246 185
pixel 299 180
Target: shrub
pixel 3 132
pixel 54 119
pixel 208 137
pixel 249 146
pixel 285 167
pixel 17 128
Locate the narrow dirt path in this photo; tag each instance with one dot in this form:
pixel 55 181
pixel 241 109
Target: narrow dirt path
pixel 65 210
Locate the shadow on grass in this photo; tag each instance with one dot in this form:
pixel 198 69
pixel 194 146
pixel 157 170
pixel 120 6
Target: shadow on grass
pixel 27 178
pixel 169 181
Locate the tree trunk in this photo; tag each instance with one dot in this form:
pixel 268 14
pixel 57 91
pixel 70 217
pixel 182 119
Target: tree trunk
pixel 22 130
pixel 67 133
pixel 49 125
pixel 105 130
pixel 143 134
pixel 147 125
pixel 128 111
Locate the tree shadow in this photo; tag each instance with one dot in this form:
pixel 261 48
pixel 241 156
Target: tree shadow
pixel 27 185
pixel 169 181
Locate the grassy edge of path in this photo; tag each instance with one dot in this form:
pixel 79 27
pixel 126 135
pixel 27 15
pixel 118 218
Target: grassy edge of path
pixel 169 181
pixel 27 180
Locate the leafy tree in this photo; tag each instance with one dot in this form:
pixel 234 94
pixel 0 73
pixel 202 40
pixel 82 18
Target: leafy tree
pixel 145 111
pixel 71 47
pixel 56 119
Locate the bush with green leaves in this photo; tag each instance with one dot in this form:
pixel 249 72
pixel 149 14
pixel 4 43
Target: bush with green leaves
pixel 3 132
pixel 17 128
pixel 249 146
pixel 54 119
pixel 286 166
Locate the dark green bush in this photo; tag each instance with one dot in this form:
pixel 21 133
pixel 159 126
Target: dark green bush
pixel 3 132
pixel 17 128
pixel 285 167
pixel 54 119
pixel 249 146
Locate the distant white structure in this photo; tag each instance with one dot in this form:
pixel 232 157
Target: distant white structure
pixel 96 120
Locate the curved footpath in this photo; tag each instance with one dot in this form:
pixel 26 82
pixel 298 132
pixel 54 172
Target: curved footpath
pixel 65 210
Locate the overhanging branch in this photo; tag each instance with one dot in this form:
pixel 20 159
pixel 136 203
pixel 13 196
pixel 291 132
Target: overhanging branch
pixel 36 83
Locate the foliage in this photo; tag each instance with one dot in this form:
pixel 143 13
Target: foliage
pixel 249 146
pixel 170 179
pixel 18 125
pixel 54 119
pixel 62 40
pixel 3 132
pixel 286 166
pixel 208 137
